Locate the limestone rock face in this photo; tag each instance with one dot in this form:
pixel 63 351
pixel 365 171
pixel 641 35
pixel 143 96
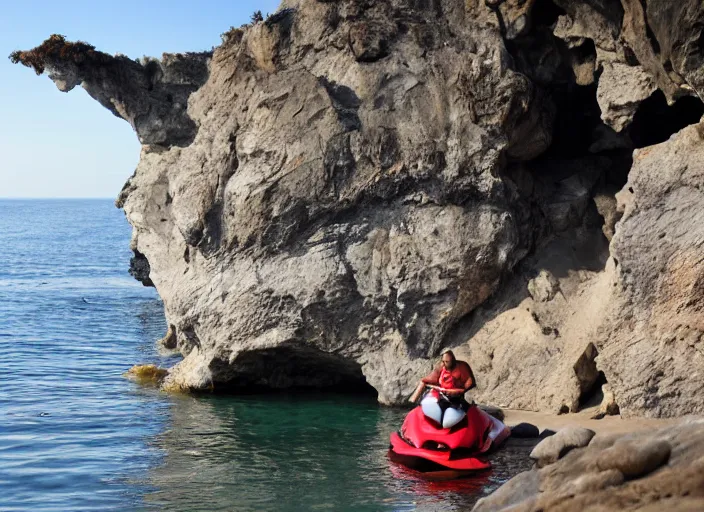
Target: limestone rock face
pixel 339 208
pixel 657 320
pixel 341 190
pixel 152 95
pixel 643 471
pixel 543 287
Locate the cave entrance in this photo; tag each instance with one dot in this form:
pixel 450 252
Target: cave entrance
pixel 656 121
pixel 290 369
pixel 588 376
pixel 593 395
pixel 545 13
pixel 573 183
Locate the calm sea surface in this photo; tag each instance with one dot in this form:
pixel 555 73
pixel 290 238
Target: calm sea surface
pixel 76 435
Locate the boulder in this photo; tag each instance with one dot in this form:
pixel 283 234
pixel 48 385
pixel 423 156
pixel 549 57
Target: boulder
pixel 552 448
pixel 634 459
pixel 543 287
pixel 648 470
pixel 525 431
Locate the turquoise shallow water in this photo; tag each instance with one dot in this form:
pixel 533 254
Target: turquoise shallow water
pixel 75 435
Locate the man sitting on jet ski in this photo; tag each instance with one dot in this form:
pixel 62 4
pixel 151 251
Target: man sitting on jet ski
pixel 449 381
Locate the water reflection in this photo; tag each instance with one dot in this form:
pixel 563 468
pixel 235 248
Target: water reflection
pixel 296 453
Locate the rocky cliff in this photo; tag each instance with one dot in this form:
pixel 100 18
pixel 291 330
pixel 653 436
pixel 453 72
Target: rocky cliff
pixel 339 191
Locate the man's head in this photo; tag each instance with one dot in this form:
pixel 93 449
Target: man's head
pixel 448 359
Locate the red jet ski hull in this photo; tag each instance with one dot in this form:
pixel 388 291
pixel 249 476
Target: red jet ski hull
pixel 422 439
pixel 442 458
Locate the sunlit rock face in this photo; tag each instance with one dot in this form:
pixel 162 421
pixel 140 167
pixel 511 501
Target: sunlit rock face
pixel 338 192
pixel 650 469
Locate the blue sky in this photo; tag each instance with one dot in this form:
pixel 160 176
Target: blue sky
pixel 55 144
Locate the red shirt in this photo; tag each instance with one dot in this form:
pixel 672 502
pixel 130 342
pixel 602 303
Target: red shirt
pixel 459 377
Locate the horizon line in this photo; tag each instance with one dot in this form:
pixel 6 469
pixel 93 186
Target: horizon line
pixel 50 198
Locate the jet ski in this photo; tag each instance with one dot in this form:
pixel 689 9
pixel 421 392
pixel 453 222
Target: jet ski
pixel 424 444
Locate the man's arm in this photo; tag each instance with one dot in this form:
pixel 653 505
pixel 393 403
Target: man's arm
pixel 433 377
pixel 431 380
pixel 469 383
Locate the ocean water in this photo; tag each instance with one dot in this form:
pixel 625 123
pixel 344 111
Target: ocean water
pixel 76 435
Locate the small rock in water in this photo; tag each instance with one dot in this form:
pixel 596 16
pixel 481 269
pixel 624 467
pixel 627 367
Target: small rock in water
pixel 525 430
pixel 149 374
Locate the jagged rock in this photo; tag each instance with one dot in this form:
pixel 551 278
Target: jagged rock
pixel 370 41
pixel 139 268
pixel 512 16
pixel 583 66
pixel 637 24
pixel 608 406
pixel 337 192
pixel 341 236
pixel 553 448
pixel 591 19
pixel 543 287
pixel 152 95
pixel 631 471
pixel 624 88
pixel 651 347
pixel 673 25
pixel 606 206
pixel 637 49
pixel 169 341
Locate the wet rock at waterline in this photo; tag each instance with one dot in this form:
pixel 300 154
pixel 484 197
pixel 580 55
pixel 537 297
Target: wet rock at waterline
pixel 146 374
pixel 338 192
pixel 525 431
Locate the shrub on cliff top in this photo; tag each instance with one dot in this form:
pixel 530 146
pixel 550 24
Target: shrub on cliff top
pixel 58 49
pixel 256 17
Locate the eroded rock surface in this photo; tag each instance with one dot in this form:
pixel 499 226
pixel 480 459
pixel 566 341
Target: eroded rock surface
pixel 656 325
pixel 338 192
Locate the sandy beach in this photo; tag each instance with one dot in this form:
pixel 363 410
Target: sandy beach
pixel 606 425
